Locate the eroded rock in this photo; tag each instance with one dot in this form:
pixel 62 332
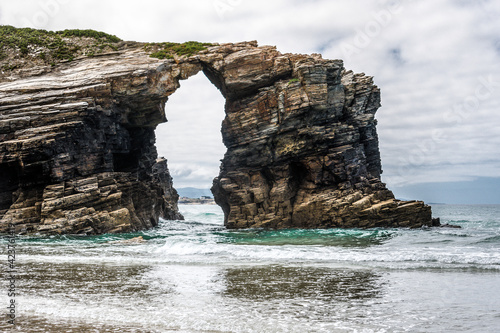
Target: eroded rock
pixel 77 151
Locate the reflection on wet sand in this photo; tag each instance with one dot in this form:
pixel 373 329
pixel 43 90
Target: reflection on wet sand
pixel 317 283
pixel 302 293
pixel 79 285
pixel 46 325
pixel 76 280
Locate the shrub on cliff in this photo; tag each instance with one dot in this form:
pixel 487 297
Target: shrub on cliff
pixel 168 50
pixel 48 47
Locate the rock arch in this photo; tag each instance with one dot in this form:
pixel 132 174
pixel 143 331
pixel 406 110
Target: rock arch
pixel 77 153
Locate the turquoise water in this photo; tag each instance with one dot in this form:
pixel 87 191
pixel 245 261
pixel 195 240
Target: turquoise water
pixel 195 276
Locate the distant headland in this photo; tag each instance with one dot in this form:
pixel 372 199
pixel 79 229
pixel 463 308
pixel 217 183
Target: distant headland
pixel 196 201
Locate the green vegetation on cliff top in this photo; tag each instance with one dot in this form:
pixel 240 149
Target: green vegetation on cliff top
pixel 53 45
pixel 22 48
pixel 167 50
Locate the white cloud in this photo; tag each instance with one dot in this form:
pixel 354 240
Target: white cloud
pixel 191 139
pixel 426 56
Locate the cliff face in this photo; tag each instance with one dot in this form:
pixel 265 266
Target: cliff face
pixel 303 147
pixel 77 150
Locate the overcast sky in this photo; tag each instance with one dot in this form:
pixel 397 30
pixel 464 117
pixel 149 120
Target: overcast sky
pixel 437 64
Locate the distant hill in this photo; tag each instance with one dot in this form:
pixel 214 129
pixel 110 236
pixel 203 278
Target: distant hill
pixel 191 192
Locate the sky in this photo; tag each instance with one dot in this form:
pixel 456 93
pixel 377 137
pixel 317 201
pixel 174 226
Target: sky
pixel 436 62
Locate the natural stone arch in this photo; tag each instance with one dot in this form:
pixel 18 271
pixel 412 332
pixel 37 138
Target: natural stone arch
pixel 299 129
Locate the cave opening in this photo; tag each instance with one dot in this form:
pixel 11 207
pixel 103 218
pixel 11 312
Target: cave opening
pixel 191 138
pixel 125 162
pixel 9 183
pixel 136 158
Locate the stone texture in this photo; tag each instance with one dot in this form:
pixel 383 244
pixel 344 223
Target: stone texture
pixel 303 149
pixel 77 150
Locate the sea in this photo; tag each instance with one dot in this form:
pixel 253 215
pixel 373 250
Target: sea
pixel 196 276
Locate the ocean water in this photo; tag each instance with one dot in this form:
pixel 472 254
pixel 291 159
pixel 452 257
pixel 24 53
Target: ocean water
pixel 195 276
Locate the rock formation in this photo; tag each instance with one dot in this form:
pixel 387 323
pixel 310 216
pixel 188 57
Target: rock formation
pixel 77 143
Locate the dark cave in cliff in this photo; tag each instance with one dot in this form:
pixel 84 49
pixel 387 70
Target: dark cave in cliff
pixel 9 182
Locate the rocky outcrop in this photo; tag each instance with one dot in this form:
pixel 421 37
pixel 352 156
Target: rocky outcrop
pixel 303 147
pixel 77 150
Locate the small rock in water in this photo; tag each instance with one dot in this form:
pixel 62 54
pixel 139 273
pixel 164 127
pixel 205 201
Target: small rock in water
pixel 436 222
pixel 450 226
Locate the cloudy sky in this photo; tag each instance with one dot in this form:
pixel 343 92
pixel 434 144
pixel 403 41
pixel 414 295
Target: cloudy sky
pixel 437 63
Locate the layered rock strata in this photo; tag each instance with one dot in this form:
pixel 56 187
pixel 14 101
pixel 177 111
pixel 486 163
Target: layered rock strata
pixel 77 151
pixel 303 147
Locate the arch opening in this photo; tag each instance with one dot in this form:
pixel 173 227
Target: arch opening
pixel 191 138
